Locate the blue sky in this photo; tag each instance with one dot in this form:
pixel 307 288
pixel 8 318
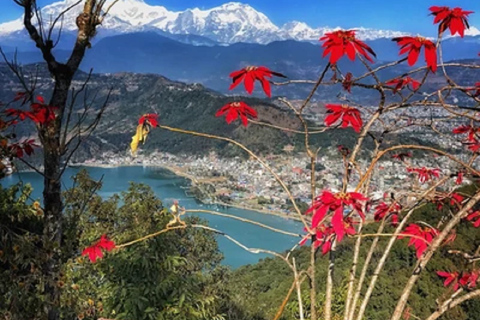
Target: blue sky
pixel 403 15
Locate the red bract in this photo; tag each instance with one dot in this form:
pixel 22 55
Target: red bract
pixel 425 174
pixel 21 96
pixel 347 82
pixel 324 238
pixel 341 42
pixel 18 149
pixel 456 199
pixel 472 132
pixel 453 19
pixel 459 179
pixel 402 156
pixel 349 116
pixel 413 45
pixel 383 209
pixel 473 146
pixel 149 118
pixel 451 278
pixel 250 74
pixel 22 115
pixel 476 89
pixel 233 110
pixel 400 83
pixel 328 201
pixel 474 217
pixel 95 250
pixel 469 279
pixel 422 237
pixel 40 112
pixel 450 238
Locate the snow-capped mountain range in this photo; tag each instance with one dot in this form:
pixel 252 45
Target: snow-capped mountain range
pixel 229 23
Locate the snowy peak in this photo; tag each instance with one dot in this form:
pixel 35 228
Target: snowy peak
pixel 301 31
pixel 228 23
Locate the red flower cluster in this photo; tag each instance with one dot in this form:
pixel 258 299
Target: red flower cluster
pixel 150 119
pixel 40 112
pixel 413 45
pixel 474 217
pixel 233 110
pixel 250 74
pixel 336 203
pixel 341 42
pixel 453 19
pixel 466 280
pixel 472 140
pixel 25 147
pixel 425 174
pixel 324 238
pixel 350 116
pixel 454 199
pixel 95 250
pixel 472 131
pixel 400 83
pixel 384 209
pixel 422 237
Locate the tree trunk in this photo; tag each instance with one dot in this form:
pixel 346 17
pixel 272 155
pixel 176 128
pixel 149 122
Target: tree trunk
pixel 52 194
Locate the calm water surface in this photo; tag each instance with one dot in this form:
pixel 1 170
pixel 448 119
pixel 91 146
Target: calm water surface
pixel 168 187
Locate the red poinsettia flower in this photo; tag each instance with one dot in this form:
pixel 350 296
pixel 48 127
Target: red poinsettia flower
pixel 425 174
pixel 25 147
pixel 40 112
pixel 150 119
pixel 473 146
pixel 474 217
pixel 453 19
pixel 400 83
pixel 233 110
pixel 95 250
pixel 390 210
pixel 349 116
pixel 336 202
pixel 402 156
pixel 423 236
pixel 456 199
pixel 413 45
pixel 469 279
pixel 250 74
pixel 472 131
pixel 341 42
pixel 347 82
pixel 324 238
pixel 451 278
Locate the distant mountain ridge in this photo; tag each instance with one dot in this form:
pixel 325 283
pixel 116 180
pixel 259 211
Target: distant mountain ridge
pixel 229 23
pixel 149 52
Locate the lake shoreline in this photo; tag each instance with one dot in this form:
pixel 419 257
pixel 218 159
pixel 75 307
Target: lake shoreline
pixel 190 178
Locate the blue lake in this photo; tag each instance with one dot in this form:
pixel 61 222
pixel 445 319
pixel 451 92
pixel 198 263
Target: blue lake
pixel 168 187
